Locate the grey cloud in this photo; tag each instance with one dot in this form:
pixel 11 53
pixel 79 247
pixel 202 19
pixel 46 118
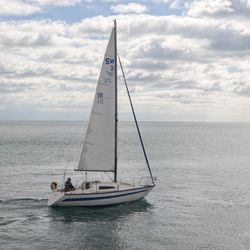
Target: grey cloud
pixel 219 9
pixel 71 78
pixel 23 71
pixel 157 51
pixel 177 97
pixel 148 64
pixel 222 37
pixel 26 40
pixel 245 91
pixel 241 88
pixel 156 56
pixel 215 32
pixel 4 69
pixel 230 41
pixel 178 84
pixel 79 87
pixel 10 87
pixel 175 84
pixel 142 77
pixel 55 55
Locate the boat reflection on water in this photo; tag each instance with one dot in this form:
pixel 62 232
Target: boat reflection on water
pixel 85 214
pixel 97 227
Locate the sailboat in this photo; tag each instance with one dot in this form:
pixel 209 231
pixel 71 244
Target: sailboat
pixel 99 150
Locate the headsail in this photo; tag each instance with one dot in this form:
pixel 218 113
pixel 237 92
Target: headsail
pixel 99 145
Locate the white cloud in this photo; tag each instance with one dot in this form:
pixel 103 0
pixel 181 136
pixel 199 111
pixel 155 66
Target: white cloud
pixel 219 8
pixel 174 65
pixel 56 2
pixel 29 7
pixel 129 8
pixel 16 8
pixel 208 7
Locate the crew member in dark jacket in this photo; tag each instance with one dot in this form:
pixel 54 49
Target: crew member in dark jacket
pixel 68 186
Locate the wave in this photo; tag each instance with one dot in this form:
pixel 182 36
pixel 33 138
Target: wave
pixel 21 200
pixel 6 222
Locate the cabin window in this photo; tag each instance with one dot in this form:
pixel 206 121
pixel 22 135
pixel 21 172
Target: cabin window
pixel 106 187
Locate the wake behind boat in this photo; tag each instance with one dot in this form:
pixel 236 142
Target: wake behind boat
pixel 99 150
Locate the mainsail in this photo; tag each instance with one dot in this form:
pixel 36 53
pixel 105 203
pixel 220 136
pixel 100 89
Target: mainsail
pixel 98 151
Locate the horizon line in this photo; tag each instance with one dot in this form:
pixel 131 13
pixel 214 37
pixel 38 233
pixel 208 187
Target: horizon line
pixel 163 121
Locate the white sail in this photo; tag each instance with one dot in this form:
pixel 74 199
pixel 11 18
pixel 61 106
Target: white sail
pixel 98 152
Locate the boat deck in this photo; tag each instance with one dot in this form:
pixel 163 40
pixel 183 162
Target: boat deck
pixel 102 187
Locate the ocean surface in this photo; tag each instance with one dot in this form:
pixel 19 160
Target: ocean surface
pixel 201 200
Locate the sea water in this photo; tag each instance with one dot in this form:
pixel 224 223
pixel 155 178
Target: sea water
pixel 201 199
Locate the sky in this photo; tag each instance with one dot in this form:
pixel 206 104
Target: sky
pixel 184 60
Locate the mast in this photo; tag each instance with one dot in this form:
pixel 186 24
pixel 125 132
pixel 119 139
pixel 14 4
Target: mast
pixel 116 114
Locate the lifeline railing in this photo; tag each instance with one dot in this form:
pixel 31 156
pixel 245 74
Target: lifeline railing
pixel 138 181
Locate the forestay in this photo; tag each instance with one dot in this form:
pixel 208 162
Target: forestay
pixel 99 145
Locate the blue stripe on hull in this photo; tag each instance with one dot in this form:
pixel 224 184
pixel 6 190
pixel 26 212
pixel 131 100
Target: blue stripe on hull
pixel 100 198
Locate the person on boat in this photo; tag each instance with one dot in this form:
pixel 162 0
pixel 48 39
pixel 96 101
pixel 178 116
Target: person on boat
pixel 68 186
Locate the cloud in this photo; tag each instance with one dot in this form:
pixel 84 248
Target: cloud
pixel 56 2
pixel 30 7
pixel 16 8
pixel 129 8
pixel 206 7
pixel 10 87
pixel 219 8
pixel 174 64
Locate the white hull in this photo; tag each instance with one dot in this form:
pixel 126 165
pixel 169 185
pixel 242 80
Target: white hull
pixel 80 198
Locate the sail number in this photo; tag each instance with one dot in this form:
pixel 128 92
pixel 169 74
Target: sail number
pixel 109 60
pixel 100 99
